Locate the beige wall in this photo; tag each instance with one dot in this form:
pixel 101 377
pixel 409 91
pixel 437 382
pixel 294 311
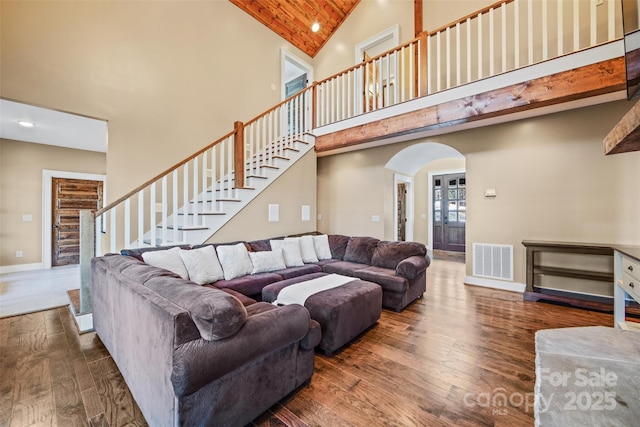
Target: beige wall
pixel 296 187
pixel 169 76
pixel 368 19
pixel 552 179
pixel 21 166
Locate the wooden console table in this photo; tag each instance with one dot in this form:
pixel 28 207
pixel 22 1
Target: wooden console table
pixel 534 268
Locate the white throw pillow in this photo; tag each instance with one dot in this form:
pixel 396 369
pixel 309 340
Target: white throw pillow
pixel 266 261
pixel 290 250
pixel 321 245
pixel 235 260
pixel 307 250
pixel 168 259
pixel 202 264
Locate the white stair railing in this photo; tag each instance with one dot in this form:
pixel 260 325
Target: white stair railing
pixel 164 210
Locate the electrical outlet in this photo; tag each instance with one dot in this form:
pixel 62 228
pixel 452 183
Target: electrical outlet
pixel 18 254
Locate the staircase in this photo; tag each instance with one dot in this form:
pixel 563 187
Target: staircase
pixel 197 220
pixel 192 200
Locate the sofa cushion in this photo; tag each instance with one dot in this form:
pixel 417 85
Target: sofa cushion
pixel 321 245
pixel 137 252
pixel 346 268
pixel 168 259
pixel 307 250
pixel 389 254
pixel 338 245
pixel 290 272
pixel 261 245
pixel 290 250
pixel 235 260
pixel 250 284
pixel 360 249
pixel 202 265
pixel 266 261
pixel 384 277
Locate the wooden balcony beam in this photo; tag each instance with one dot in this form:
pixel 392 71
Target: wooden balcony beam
pixel 591 80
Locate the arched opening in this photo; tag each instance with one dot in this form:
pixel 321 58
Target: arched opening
pixel 424 204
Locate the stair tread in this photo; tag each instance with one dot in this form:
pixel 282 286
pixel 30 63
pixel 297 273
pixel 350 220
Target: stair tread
pixel 185 228
pixel 228 200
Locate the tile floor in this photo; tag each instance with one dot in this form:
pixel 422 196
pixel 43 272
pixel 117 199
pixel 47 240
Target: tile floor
pixel 29 291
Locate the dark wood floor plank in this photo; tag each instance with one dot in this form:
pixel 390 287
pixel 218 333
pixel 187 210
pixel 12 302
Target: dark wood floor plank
pixel 33 402
pixel 92 403
pixel 119 407
pixel 70 409
pixel 52 322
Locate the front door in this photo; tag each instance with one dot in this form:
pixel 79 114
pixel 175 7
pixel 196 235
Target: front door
pixel 68 198
pixel 449 212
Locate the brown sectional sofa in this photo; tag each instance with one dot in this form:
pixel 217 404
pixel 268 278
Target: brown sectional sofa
pixel 398 267
pixel 215 355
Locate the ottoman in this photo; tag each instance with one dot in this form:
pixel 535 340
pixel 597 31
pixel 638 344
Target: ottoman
pixel 343 312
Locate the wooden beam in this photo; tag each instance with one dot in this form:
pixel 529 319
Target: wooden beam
pixel 417 17
pixel 591 80
pixel 625 136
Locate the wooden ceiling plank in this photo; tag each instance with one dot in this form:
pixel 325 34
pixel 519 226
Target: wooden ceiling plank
pixel 292 19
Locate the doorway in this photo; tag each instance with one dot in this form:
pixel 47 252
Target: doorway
pixel 371 82
pixel 68 197
pixel 449 211
pixel 403 218
pixel 47 206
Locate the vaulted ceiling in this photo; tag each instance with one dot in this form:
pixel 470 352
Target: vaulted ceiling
pixel 292 19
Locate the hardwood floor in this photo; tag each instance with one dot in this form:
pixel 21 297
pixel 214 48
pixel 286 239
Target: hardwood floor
pixel 442 361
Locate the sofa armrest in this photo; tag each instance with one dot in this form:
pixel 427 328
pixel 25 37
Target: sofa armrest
pixel 412 266
pixel 199 362
pixel 312 339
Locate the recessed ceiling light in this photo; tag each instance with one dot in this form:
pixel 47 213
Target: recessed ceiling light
pixel 26 123
pixel 315 27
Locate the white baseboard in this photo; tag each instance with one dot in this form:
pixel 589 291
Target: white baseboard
pixel 495 284
pixel 6 269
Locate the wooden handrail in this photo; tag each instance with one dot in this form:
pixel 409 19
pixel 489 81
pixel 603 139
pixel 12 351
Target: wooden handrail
pixel 471 15
pixel 160 175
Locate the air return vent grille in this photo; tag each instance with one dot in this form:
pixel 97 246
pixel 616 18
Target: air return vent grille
pixel 493 261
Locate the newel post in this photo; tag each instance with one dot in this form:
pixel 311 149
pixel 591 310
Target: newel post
pixel 314 102
pixel 87 252
pixel 238 164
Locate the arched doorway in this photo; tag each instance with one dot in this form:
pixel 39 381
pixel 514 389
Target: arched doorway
pixel 416 169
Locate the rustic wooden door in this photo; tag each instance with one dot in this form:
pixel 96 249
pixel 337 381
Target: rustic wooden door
pixel 449 212
pixel 68 198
